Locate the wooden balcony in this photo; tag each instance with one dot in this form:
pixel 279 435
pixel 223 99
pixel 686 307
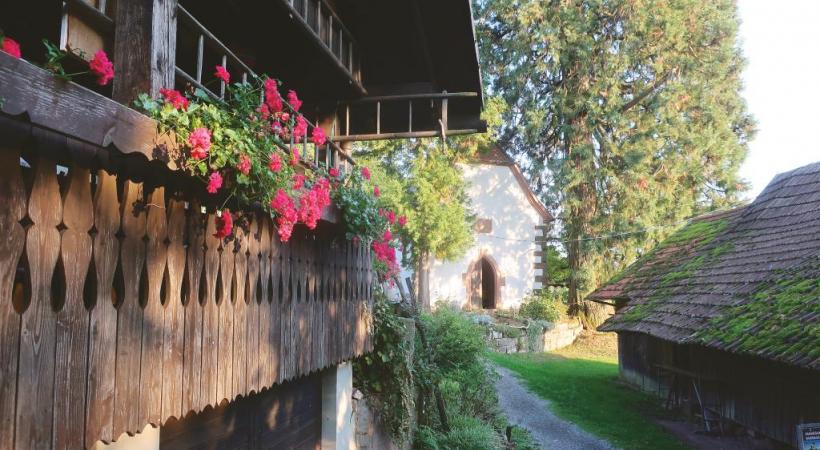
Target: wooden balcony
pixel 118 307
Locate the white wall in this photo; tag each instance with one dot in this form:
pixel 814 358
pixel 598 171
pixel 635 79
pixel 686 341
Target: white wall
pixel 495 194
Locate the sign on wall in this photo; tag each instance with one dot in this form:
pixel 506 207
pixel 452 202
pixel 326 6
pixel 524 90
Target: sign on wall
pixel 808 436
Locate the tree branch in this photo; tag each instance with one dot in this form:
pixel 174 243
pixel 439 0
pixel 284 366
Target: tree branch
pixel 648 91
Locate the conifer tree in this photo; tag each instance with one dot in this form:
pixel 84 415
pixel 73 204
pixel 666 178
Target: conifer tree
pixel 626 114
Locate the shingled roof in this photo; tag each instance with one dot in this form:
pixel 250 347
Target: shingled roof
pixel 745 281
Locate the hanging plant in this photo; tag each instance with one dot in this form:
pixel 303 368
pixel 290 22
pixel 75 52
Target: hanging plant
pixel 249 147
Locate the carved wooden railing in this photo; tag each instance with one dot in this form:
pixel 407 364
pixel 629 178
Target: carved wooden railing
pixel 119 308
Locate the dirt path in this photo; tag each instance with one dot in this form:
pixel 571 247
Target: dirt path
pixel 527 410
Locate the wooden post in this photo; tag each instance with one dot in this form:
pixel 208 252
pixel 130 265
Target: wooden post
pixel 144 47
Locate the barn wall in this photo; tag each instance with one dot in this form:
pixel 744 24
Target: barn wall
pixel 495 194
pixel 761 395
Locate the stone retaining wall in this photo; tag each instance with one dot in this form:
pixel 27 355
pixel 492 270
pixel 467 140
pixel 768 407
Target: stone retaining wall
pixel 560 335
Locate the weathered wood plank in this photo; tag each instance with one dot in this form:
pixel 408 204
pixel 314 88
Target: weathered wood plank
pixel 192 355
pixel 150 383
pixel 266 377
pixel 226 324
pixel 252 337
pixel 174 320
pixel 35 398
pixel 103 316
pixel 275 331
pixel 129 313
pixel 210 317
pixel 12 241
pixel 240 311
pixel 144 47
pixel 72 319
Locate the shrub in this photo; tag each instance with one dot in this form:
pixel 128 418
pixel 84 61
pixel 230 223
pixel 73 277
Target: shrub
pixel 508 331
pixel 456 342
pixel 547 304
pixel 385 375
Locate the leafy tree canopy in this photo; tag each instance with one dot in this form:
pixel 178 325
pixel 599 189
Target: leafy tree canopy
pixel 626 115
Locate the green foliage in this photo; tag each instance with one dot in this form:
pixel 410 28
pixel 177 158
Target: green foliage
pixel 547 304
pixel 361 209
pixel 466 433
pixel 386 374
pixel 585 389
pixel 508 330
pixel 456 342
pixel 557 266
pixel 422 183
pixel 628 111
pixel 456 365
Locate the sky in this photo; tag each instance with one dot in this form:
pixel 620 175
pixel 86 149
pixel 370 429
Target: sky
pixel 781 43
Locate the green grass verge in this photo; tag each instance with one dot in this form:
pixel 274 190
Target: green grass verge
pixel 586 390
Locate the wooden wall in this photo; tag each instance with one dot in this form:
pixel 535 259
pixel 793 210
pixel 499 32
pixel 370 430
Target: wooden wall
pixel 760 395
pixel 289 416
pixel 113 315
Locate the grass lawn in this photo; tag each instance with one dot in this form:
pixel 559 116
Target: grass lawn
pixel 582 384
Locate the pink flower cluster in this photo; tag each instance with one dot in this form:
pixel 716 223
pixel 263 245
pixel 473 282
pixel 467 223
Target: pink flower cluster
pixel 174 98
pixel 311 202
pixel 10 46
pixel 224 225
pixel 222 74
pixel 273 100
pixel 244 165
pixel 286 212
pixel 102 67
pixel 200 142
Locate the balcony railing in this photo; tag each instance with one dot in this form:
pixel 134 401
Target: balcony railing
pixel 330 33
pixel 367 114
pixel 331 154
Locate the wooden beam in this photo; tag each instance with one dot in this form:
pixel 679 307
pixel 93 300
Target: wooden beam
pixel 404 135
pixel 144 47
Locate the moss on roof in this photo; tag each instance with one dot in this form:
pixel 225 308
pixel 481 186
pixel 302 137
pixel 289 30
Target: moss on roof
pixel 780 318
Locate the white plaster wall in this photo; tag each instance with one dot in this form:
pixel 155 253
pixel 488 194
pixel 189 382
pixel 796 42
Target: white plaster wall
pixel 495 194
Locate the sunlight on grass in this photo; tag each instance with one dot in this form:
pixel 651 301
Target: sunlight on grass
pixel 582 384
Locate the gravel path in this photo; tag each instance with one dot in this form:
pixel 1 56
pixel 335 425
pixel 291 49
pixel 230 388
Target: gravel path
pixel 527 410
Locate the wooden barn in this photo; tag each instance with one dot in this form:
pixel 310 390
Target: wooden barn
pixel 122 317
pixel 723 317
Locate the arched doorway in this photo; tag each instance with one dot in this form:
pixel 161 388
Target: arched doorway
pixel 483 283
pixel 487 285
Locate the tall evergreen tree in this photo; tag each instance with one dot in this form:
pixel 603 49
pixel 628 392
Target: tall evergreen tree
pixel 626 114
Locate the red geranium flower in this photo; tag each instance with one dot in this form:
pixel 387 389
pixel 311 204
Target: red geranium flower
pixel 402 221
pixel 224 225
pixel 102 67
pixel 11 47
pixel 294 101
pixel 300 128
pixel 365 173
pixel 333 172
pixel 222 74
pixel 318 136
pixel 244 165
pixel 200 142
pixel 391 217
pixel 275 164
pixel 298 181
pixel 376 192
pixel 174 98
pixel 214 182
pixel 272 97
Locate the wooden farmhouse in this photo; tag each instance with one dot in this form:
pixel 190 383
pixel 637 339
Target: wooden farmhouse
pixel 724 315
pixel 122 317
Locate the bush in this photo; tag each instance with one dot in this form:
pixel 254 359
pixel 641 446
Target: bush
pixel 547 304
pixel 508 331
pixel 385 375
pixel 456 342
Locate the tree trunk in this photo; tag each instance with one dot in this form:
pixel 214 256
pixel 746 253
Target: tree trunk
pixel 423 280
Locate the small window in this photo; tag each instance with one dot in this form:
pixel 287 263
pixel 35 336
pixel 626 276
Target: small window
pixel 484 226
